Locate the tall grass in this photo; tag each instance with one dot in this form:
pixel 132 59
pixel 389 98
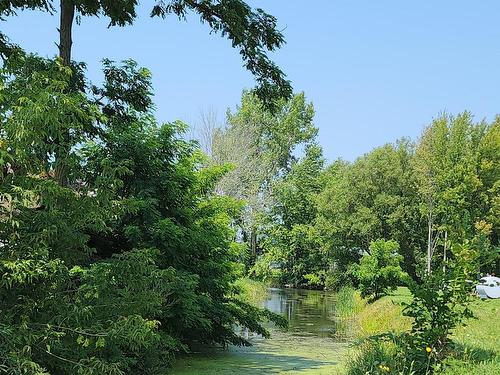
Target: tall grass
pixel 251 291
pixel 376 358
pixel 348 302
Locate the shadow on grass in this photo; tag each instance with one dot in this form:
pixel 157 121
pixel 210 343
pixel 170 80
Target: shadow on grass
pixel 472 354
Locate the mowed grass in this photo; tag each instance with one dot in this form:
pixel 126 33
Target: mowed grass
pixel 478 342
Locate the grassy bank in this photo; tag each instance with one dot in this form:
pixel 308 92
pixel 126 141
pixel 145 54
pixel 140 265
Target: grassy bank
pixel 477 343
pixel 383 315
pixel 251 291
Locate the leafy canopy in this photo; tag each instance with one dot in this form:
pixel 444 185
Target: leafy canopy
pixel 252 31
pixel 130 261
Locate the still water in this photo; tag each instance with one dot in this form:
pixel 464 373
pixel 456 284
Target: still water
pixel 313 344
pixel 309 312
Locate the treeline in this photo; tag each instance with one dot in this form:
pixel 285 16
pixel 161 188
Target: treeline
pixel 307 224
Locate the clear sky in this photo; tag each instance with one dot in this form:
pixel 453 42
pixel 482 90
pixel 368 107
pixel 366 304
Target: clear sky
pixel 375 70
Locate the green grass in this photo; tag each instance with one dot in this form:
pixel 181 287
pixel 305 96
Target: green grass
pixel 384 315
pixel 477 343
pixel 348 302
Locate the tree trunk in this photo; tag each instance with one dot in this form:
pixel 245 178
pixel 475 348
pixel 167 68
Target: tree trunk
pixel 65 28
pixel 429 243
pixel 444 250
pixel 253 242
pixel 65 43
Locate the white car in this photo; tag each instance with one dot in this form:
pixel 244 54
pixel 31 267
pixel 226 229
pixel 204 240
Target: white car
pixel 488 287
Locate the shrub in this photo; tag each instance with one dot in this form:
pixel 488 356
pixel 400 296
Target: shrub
pixel 382 357
pixel 315 280
pixel 267 270
pixel 440 303
pixel 335 280
pixel 379 271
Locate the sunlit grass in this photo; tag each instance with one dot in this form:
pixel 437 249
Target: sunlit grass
pixel 478 351
pixel 384 315
pixel 477 344
pixel 348 302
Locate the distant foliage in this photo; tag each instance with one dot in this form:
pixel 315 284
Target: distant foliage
pixel 261 147
pixel 289 235
pixel 452 172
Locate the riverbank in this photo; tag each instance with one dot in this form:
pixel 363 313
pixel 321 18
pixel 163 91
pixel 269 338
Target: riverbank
pixel 477 343
pixel 293 353
pixel 314 343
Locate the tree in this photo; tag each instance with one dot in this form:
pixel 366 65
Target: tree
pixel 372 198
pixel 379 270
pixel 449 167
pixel 252 32
pixel 131 260
pixel 290 238
pixel 260 145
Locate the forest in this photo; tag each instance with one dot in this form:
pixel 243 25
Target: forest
pixel 124 242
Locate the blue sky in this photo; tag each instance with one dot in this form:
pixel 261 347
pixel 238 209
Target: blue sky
pixel 375 70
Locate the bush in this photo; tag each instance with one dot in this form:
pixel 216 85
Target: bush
pixel 335 280
pixel 267 270
pixel 379 271
pixel 440 303
pixel 315 280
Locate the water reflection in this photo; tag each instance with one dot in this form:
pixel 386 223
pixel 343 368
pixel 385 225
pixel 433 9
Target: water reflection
pixel 309 312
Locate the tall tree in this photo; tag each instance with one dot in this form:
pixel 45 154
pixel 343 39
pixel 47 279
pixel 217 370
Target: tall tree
pixel 448 166
pixel 260 145
pixel 290 236
pixel 372 198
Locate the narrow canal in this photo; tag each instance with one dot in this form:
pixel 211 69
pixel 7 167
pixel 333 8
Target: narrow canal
pixel 313 344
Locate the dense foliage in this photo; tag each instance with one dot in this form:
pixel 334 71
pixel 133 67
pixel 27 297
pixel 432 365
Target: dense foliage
pixel 260 145
pixel 130 258
pixel 379 271
pixel 308 225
